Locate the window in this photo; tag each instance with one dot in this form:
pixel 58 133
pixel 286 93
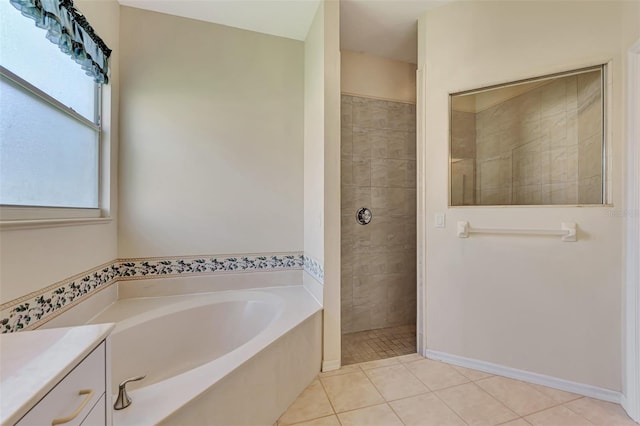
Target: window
pixel 49 126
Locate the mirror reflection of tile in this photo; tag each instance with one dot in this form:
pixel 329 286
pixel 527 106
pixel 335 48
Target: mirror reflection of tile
pixel 534 143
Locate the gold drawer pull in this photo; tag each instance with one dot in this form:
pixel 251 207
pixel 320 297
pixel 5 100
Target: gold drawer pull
pixel 89 393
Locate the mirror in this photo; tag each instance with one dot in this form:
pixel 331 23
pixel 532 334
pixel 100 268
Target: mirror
pixel 534 142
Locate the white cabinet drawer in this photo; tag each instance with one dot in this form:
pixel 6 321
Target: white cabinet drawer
pixel 82 387
pixel 97 415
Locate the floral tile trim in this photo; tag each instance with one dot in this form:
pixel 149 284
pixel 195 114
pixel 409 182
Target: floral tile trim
pixel 198 265
pixel 314 268
pixel 31 309
pixel 26 312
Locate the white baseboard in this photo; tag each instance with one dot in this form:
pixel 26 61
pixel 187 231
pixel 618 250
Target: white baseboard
pixel 527 376
pixel 330 365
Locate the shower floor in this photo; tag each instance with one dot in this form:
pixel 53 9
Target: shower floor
pixel 382 343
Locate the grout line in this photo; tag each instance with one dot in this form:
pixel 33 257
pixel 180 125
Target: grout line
pixel 497 400
pixel 328 399
pixel 450 408
pixel 396 413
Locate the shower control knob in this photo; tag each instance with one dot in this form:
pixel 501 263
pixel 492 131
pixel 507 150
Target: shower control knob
pixel 363 216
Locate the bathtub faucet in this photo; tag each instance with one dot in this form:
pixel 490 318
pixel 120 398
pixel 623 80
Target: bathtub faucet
pixel 123 400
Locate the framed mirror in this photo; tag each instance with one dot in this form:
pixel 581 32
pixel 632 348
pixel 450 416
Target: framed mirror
pixel 534 142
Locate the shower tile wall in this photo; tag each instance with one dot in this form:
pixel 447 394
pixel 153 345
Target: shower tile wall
pixel 542 147
pixel 378 172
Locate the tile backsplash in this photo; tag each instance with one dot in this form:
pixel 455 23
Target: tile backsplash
pixel 31 310
pixel 378 168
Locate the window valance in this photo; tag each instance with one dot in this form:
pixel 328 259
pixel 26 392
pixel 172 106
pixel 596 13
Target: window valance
pixel 70 30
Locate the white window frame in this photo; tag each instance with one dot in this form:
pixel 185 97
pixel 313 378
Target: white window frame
pixel 18 216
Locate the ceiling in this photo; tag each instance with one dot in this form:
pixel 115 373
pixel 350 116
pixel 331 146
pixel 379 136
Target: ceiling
pixel 385 28
pixel 284 18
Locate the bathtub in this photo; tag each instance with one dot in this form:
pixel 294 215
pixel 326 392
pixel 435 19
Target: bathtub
pixel 222 358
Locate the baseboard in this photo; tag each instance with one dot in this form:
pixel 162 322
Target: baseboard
pixel 527 376
pixel 330 365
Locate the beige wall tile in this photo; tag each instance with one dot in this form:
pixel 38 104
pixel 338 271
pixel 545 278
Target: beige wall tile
pixel 362 172
pixel 346 141
pixel 590 158
pixel 390 172
pixel 361 143
pixel 382 145
pixel 553 98
pixel 346 111
pixel 346 171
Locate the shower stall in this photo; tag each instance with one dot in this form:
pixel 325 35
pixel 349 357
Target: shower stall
pixel 378 185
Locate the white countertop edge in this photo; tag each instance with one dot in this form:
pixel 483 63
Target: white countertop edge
pixel 38 368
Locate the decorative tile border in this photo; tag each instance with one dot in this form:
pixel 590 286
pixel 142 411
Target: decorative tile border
pixel 154 268
pixel 314 268
pixel 27 311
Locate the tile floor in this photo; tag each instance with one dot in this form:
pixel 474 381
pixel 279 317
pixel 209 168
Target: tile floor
pixel 382 343
pixel 412 390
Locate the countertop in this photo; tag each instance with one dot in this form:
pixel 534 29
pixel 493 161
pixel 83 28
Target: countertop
pixel 33 362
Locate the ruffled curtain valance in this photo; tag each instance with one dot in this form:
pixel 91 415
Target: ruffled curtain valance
pixel 69 29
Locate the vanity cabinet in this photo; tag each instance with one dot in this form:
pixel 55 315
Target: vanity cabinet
pixel 78 399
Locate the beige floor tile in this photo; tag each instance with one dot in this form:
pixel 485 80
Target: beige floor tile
pixel 475 406
pixel 556 394
pixel 378 415
pixel 312 403
pixel 425 410
pixel 322 421
pixel 471 374
pixel 410 357
pixel 601 413
pixel 518 396
pixel 557 416
pixel 345 369
pixel 436 375
pixel 517 422
pixel 395 382
pixel 351 391
pixel 378 363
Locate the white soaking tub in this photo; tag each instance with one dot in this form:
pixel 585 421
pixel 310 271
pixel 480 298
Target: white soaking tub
pixel 222 358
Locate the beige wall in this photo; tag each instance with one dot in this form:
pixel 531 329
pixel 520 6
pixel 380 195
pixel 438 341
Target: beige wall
pixel 314 138
pixel 331 295
pixel 535 304
pixel 212 138
pixel 322 167
pixel 32 259
pixel 362 74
